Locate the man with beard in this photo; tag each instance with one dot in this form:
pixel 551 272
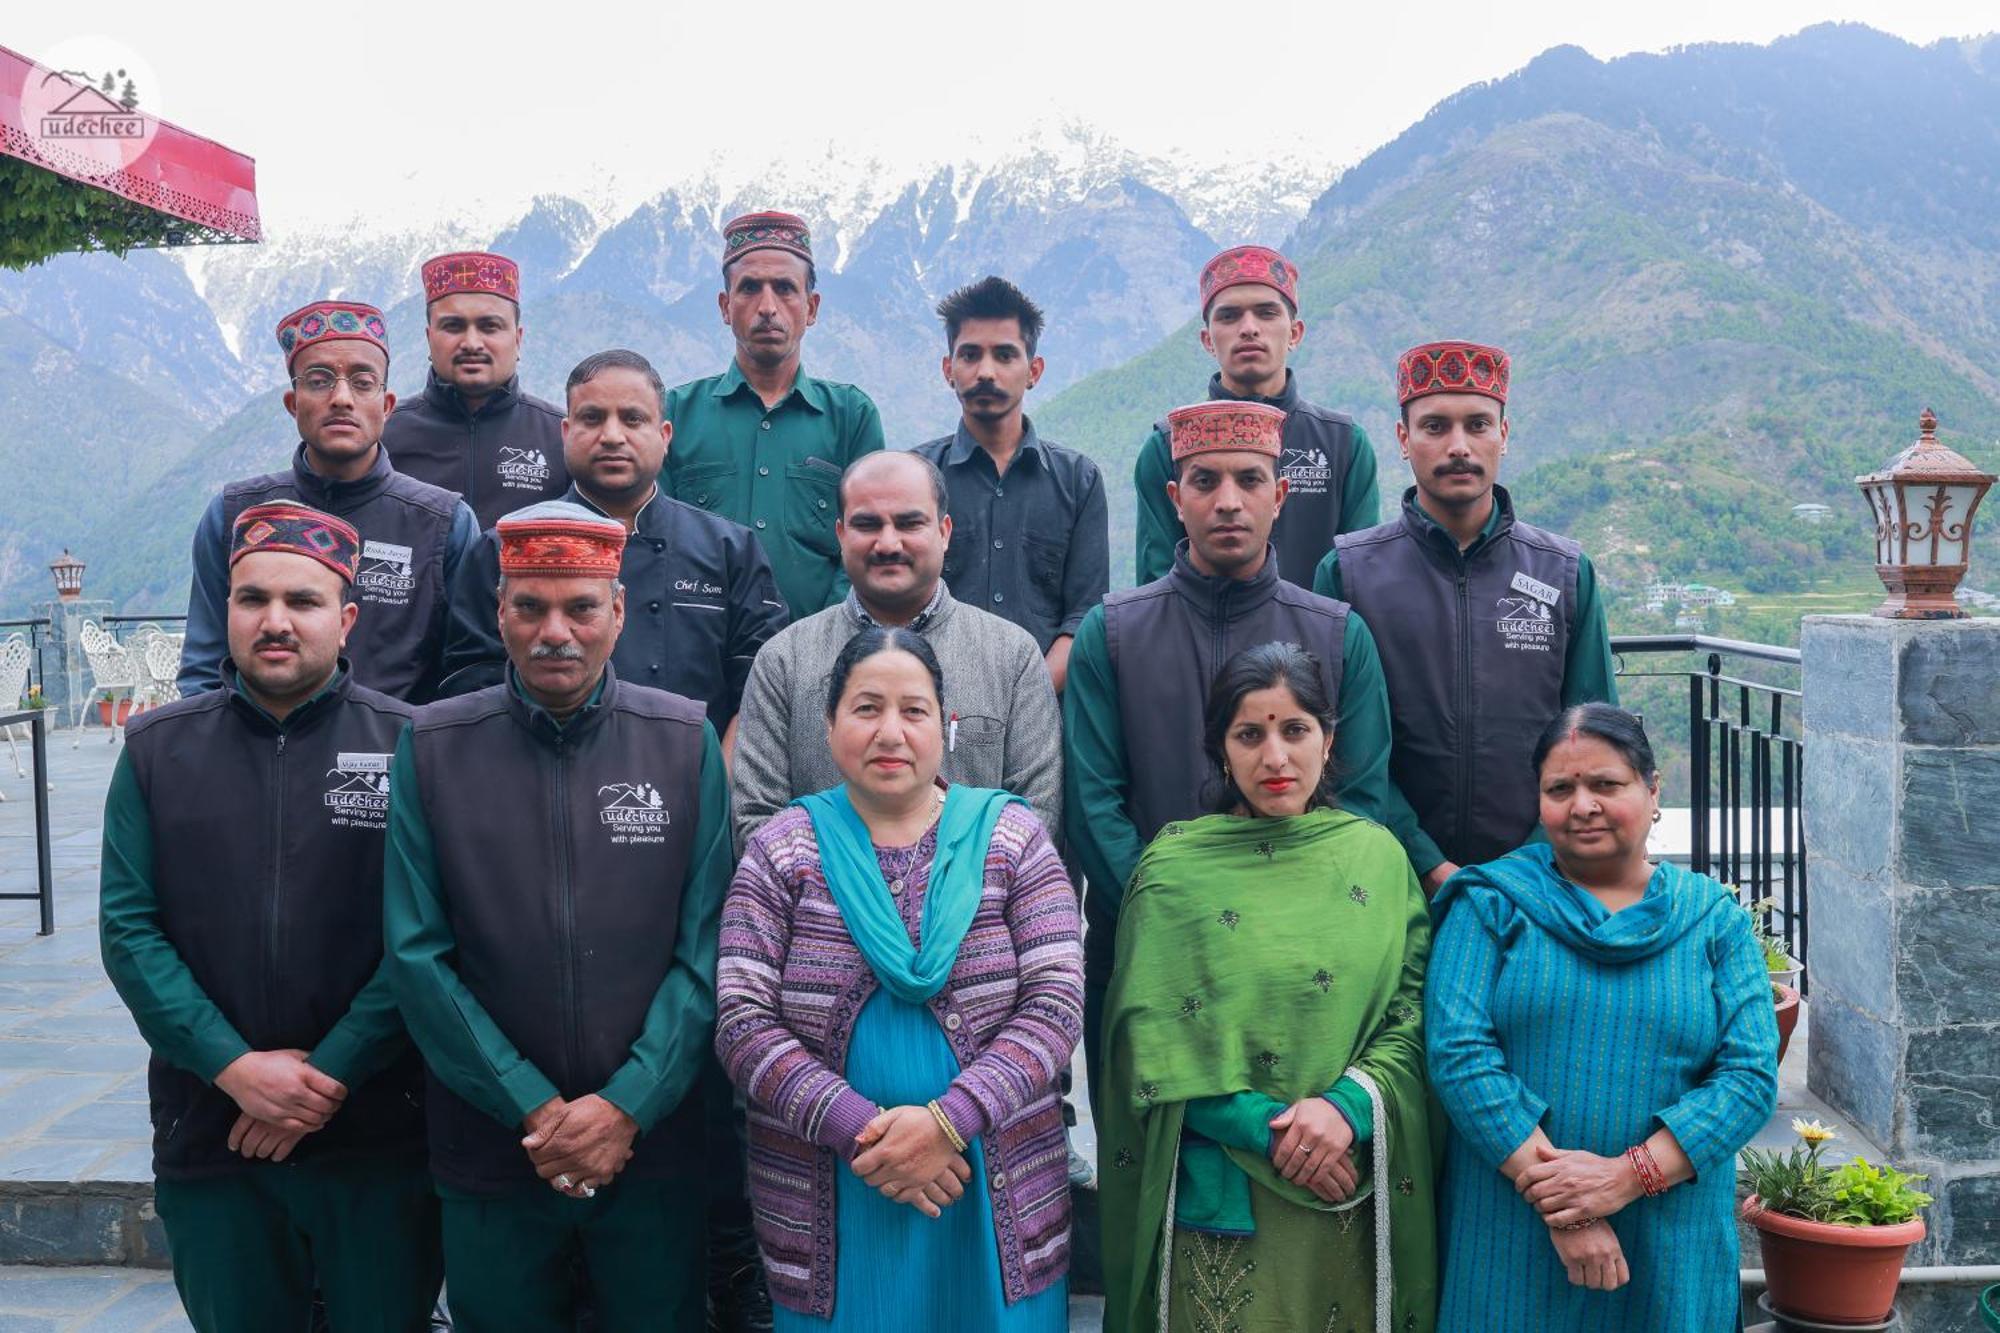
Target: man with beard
pixel 1003 728
pixel 1251 326
pixel 558 851
pixel 241 916
pixel 1488 627
pixel 413 534
pixel 1029 535
pixel 1143 663
pixel 699 596
pixel 763 443
pixel 472 429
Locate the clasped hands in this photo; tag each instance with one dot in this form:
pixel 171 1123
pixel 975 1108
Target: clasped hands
pixel 903 1152
pixel 1311 1147
pixel 578 1146
pixel 1568 1187
pixel 281 1099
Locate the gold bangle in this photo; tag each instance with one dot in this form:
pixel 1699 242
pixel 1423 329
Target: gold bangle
pixel 951 1133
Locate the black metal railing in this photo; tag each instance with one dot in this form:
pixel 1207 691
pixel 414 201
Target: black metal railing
pixel 36 720
pixel 1745 773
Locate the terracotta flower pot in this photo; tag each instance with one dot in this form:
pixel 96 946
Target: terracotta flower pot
pixel 104 711
pixel 1834 1274
pixel 1788 1016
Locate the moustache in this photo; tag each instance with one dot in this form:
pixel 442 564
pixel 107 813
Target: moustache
pixel 983 391
pixel 884 561
pixel 468 358
pixel 1458 470
pixel 555 652
pixel 285 641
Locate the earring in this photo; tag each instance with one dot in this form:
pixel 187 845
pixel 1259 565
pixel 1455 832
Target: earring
pixel 1656 815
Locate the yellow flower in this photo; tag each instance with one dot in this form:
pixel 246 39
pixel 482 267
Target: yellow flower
pixel 1812 1131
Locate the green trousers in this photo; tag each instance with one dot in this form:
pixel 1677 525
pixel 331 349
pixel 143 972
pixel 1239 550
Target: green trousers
pixel 250 1247
pixel 509 1260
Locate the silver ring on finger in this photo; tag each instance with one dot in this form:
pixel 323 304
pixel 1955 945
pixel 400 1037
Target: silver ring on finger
pixel 563 1182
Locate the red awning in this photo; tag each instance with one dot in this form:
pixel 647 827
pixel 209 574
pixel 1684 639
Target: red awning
pixel 75 131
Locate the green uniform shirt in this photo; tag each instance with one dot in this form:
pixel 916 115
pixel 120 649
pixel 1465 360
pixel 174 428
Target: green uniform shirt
pixel 775 471
pixel 1589 676
pixel 1096 776
pixel 175 1016
pixel 466 1048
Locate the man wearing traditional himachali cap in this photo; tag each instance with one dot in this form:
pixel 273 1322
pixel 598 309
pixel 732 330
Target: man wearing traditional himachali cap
pixel 473 430
pixel 1140 672
pixel 241 915
pixel 1488 627
pixel 763 443
pixel 412 533
pixel 1251 326
pixel 558 851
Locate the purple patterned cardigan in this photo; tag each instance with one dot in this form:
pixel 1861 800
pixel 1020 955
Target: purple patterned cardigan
pixel 790 983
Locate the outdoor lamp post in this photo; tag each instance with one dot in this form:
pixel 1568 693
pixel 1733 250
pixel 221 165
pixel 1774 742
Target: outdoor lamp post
pixel 1923 500
pixel 69 576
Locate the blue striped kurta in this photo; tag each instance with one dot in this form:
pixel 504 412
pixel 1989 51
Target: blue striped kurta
pixel 1543 1008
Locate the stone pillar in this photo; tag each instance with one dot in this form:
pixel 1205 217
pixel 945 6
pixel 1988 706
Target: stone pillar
pixel 1902 818
pixel 65 674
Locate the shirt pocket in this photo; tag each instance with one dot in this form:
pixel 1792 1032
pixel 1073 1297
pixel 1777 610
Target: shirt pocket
pixel 705 486
pixel 812 488
pixel 1045 573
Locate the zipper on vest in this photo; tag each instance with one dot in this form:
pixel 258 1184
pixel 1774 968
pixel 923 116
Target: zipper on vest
pixel 566 901
pixel 472 460
pixel 1461 771
pixel 277 885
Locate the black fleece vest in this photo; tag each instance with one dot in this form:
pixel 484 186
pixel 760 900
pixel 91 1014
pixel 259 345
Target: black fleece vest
pixel 267 866
pixel 1167 641
pixel 561 855
pixel 1473 646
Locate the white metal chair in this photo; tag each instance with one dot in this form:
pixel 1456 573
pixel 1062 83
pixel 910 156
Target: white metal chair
pixel 112 669
pixel 163 668
pixel 15 655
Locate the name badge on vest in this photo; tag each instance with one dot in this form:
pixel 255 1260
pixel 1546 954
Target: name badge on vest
pixel 1306 471
pixel 357 791
pixel 633 812
pixel 1527 622
pixel 386 575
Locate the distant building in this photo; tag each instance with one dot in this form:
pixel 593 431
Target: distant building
pixel 1811 512
pixel 1687 595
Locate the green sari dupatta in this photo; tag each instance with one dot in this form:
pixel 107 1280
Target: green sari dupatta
pixel 912 973
pixel 1272 956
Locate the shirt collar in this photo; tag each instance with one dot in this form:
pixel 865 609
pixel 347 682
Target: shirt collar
pixel 335 687
pixel 932 609
pixel 810 392
pixel 541 718
pixel 329 494
pixel 1497 522
pixel 641 521
pixel 444 395
pixel 963 446
pixel 1285 400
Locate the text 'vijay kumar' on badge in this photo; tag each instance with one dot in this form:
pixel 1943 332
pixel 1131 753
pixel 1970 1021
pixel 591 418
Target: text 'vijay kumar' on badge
pixel 358 790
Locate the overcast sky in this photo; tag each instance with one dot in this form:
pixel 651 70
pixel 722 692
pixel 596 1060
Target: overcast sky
pixel 397 110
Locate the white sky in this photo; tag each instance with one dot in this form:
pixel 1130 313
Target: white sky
pixel 398 111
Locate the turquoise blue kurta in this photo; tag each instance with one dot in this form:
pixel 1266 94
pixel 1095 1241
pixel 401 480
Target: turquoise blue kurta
pixel 899 1271
pixel 1543 1008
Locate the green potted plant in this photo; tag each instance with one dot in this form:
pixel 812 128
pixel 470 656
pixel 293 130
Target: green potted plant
pixel 1833 1237
pixel 35 698
pixel 1784 970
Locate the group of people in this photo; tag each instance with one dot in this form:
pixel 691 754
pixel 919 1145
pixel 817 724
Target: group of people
pixel 651 861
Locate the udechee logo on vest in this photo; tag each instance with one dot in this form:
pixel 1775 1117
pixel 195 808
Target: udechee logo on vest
pixel 386 575
pixel 1527 622
pixel 523 469
pixel 633 812
pixel 358 790
pixel 1306 471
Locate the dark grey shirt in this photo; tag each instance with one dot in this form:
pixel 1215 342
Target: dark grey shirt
pixel 1033 546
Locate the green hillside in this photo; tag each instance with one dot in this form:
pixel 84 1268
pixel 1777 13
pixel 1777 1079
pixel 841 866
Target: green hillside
pixel 1694 354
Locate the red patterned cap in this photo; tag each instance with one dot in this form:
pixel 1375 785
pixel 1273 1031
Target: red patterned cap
pixel 325 321
pixel 1452 367
pixel 560 539
pixel 1225 426
pixel 1249 263
pixel 286 525
pixel 472 271
pixel 766 231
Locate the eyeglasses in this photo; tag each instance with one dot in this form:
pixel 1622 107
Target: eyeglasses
pixel 363 383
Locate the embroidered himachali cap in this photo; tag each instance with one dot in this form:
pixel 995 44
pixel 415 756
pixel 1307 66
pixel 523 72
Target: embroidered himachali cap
pixel 1452 366
pixel 1245 264
pixel 472 271
pixel 560 539
pixel 325 321
pixel 285 525
pixel 766 231
pixel 1223 426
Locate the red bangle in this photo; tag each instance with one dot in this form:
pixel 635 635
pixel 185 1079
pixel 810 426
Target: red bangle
pixel 1651 1179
